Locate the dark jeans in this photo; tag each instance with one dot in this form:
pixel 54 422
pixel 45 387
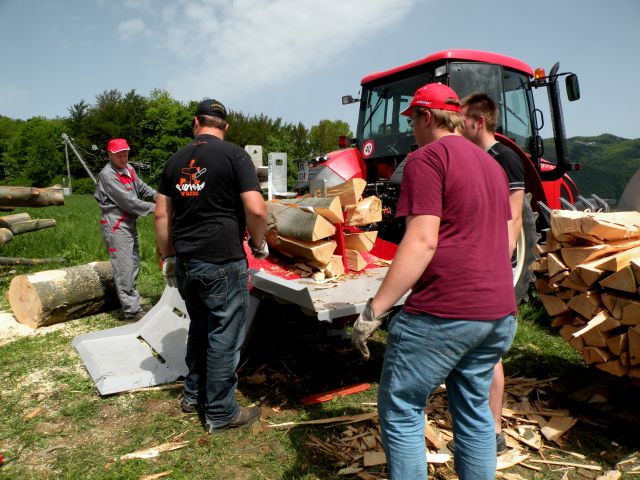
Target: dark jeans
pixel 217 299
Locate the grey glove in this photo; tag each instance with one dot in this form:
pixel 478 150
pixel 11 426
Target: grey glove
pixel 365 325
pixel 259 252
pixel 169 271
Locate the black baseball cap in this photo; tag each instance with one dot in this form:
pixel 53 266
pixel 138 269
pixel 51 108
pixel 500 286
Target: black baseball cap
pixel 212 108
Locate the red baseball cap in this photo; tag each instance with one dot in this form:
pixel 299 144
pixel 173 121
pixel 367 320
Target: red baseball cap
pixel 433 96
pixel 117 145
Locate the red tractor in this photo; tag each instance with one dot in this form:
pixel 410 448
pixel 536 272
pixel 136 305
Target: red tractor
pixel 383 139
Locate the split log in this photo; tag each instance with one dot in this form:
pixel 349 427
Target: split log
pixel 574 256
pixel 365 212
pixel 32 225
pixel 8 220
pixel 568 224
pixel 350 192
pixel 31 261
pixel 55 296
pixel 320 251
pixel 623 280
pixel 5 236
pixel 31 196
pixel 355 261
pixel 329 207
pixel 360 241
pixel 586 304
pixel 619 260
pixel 555 264
pixel 299 224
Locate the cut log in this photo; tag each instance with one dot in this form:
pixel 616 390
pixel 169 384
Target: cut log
pixel 614 367
pixel 595 338
pixel 553 305
pixel 558 278
pixel 567 332
pixel 5 236
pixel 55 296
pixel 574 256
pixel 335 267
pixel 634 345
pixel 561 320
pixel 31 261
pixel 299 224
pixel 539 265
pixel 32 225
pixel 623 280
pixel 361 241
pixel 11 219
pixel 618 344
pixel 366 211
pixel 350 192
pixel 600 318
pixel 586 304
pixel 551 244
pixel 620 260
pixel 320 251
pixel 567 224
pixel 31 196
pixel 589 273
pixel 574 281
pixel 355 261
pixel 595 355
pixel 329 207
pixel 555 263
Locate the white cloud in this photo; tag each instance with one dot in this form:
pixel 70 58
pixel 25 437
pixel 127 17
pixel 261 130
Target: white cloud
pixel 129 29
pixel 234 47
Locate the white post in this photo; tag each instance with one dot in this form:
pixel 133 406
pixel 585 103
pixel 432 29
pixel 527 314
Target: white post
pixel 277 162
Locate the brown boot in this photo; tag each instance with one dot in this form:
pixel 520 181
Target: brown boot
pixel 245 417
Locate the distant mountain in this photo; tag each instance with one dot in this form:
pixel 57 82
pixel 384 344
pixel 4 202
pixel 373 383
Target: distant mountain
pixel 608 163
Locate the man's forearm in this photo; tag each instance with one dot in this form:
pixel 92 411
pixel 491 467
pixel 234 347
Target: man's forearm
pixel 163 218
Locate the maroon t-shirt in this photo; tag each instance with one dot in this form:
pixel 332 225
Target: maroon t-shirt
pixel 470 275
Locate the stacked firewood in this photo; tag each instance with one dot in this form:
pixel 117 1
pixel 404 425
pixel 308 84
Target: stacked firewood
pixel 305 229
pixel 588 281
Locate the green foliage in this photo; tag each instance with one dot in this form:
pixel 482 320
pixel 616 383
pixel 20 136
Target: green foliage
pixel 83 186
pixel 324 136
pixel 603 157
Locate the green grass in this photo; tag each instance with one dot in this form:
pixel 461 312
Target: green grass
pixel 79 434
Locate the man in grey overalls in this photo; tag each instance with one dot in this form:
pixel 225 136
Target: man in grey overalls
pixel 120 195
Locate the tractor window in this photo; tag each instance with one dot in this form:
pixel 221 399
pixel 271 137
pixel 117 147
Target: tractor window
pixel 467 78
pixel 381 120
pixel 515 116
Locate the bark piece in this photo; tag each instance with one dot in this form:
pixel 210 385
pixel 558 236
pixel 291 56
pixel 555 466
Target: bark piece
pixel 366 211
pixel 329 207
pixel 299 224
pixel 31 196
pixel 360 241
pixel 55 296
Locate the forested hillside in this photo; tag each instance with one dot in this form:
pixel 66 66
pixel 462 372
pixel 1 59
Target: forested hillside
pixel 608 162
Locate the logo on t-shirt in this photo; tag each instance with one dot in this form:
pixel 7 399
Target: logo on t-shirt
pixel 189 184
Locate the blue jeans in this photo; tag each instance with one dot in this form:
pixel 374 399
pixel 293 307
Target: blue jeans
pixel 217 298
pixel 424 351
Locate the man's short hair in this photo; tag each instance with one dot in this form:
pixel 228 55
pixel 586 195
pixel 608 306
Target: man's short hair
pixel 209 121
pixel 481 104
pixel 447 119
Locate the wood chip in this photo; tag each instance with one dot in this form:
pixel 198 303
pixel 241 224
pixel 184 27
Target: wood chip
pixel 154 451
pixel 564 464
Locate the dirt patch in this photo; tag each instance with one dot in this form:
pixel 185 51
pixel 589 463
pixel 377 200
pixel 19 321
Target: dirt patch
pixel 11 329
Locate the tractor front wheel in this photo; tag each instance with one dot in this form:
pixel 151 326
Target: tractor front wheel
pixel 525 252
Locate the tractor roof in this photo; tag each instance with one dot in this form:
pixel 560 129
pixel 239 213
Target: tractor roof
pixel 469 55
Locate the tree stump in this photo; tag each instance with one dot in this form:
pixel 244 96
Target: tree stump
pixel 55 296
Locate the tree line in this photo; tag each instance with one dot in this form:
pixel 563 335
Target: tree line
pixel 32 152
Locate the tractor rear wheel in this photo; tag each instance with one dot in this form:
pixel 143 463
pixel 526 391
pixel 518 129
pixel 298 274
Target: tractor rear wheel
pixel 525 252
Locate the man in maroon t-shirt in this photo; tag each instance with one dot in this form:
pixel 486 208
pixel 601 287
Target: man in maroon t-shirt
pixel 459 318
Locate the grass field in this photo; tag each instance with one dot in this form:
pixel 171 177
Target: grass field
pixel 53 423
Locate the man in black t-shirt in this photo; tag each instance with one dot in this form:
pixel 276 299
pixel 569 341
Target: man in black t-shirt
pixel 480 114
pixel 209 195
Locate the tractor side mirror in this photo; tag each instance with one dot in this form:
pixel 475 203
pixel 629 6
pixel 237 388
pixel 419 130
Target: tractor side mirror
pixel 347 99
pixel 573 87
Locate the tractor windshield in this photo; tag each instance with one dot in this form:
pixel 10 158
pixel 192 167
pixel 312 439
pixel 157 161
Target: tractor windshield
pixel 381 124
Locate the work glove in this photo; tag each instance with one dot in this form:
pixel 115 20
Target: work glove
pixel 169 271
pixel 259 252
pixel 365 325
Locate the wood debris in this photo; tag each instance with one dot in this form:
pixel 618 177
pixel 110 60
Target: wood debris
pixel 153 452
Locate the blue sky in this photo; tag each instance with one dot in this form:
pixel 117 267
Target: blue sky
pixel 294 59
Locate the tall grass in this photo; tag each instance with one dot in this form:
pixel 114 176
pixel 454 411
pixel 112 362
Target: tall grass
pixel 77 238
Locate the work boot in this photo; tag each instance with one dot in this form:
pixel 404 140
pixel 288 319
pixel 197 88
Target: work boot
pixel 134 317
pixel 245 417
pixel 501 444
pixel 188 407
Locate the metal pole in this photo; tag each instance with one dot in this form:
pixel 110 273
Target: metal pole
pixel 66 154
pixel 68 141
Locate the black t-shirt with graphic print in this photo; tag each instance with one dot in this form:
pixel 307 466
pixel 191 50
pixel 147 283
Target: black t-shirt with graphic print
pixel 204 181
pixel 510 163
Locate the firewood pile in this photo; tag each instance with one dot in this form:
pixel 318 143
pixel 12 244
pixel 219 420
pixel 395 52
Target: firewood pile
pixel 534 433
pixel 588 279
pixel 310 229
